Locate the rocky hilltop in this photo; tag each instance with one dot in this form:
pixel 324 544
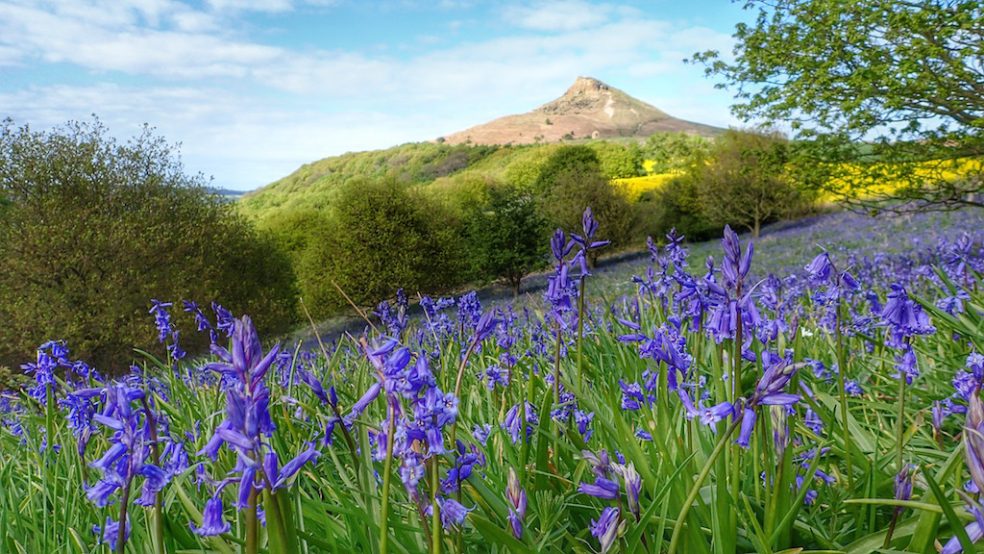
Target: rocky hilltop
pixel 589 109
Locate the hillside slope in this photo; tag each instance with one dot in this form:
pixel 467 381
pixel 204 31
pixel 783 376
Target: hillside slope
pixel 590 109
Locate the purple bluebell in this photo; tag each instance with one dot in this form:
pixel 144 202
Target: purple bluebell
pixel 517 504
pixel 212 521
pixel 513 422
pixel 602 488
pixel 606 528
pixel 770 391
pixel 453 513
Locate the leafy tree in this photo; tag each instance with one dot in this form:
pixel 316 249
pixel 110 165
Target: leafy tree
pixel 673 151
pixel 94 229
pixel 673 206
pixel 571 180
pixel 506 235
pixel 379 237
pixel 618 161
pixel 903 76
pixel 744 182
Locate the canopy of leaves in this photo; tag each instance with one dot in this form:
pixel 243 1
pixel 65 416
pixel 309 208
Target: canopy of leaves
pixel 92 230
pixel 505 235
pixel 905 76
pixel 379 237
pixel 571 180
pixel 744 181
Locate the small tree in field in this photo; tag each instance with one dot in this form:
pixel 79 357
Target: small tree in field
pixel 744 181
pixel 570 181
pixel 380 237
pixel 505 234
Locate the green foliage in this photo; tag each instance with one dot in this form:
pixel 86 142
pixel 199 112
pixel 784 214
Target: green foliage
pixel 670 152
pixel 571 180
pixel 314 185
pixel 904 76
pixel 674 206
pixel 93 229
pixel 505 235
pixel 380 236
pixel 618 161
pixel 744 182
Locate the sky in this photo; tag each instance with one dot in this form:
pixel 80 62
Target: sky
pixel 252 89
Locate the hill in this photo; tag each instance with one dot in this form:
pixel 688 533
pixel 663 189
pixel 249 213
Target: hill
pixel 590 112
pixel 590 109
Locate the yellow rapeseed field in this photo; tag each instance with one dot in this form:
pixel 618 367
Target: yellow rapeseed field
pixel 634 187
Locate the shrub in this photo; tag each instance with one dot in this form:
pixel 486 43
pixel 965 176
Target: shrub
pixel 93 229
pixel 380 236
pixel 745 182
pixel 675 205
pixel 505 234
pixel 571 180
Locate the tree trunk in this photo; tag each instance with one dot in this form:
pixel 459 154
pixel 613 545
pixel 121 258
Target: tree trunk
pixel 757 228
pixel 515 282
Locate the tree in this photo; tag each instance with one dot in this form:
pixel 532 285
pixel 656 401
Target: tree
pixel 673 151
pixel 744 181
pixel 570 181
pixel 94 229
pixel 505 234
pixel 380 237
pixel 618 161
pixel 902 76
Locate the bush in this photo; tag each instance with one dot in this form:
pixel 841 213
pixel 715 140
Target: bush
pixel 505 235
pixel 745 182
pixel 618 161
pixel 93 229
pixel 673 206
pixel 570 181
pixel 379 237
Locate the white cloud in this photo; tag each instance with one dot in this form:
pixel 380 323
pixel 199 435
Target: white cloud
pixel 250 112
pixel 251 5
pixel 558 15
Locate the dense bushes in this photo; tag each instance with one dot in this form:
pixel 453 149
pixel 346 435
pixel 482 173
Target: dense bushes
pixel 93 229
pixel 488 221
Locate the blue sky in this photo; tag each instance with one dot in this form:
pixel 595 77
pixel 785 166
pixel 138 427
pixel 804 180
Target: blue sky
pixel 252 89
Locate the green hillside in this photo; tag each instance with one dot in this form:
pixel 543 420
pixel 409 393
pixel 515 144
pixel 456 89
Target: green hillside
pixel 312 186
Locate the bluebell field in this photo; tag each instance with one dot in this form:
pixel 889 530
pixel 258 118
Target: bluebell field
pixel 827 400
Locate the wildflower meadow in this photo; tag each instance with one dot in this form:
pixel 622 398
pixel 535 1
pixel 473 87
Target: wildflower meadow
pixel 831 405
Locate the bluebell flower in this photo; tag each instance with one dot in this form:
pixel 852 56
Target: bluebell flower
pixel 905 365
pixel 513 422
pixel 770 391
pixel 212 521
pixel 453 513
pixel 517 504
pixel 601 488
pixel 606 528
pixel 482 432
